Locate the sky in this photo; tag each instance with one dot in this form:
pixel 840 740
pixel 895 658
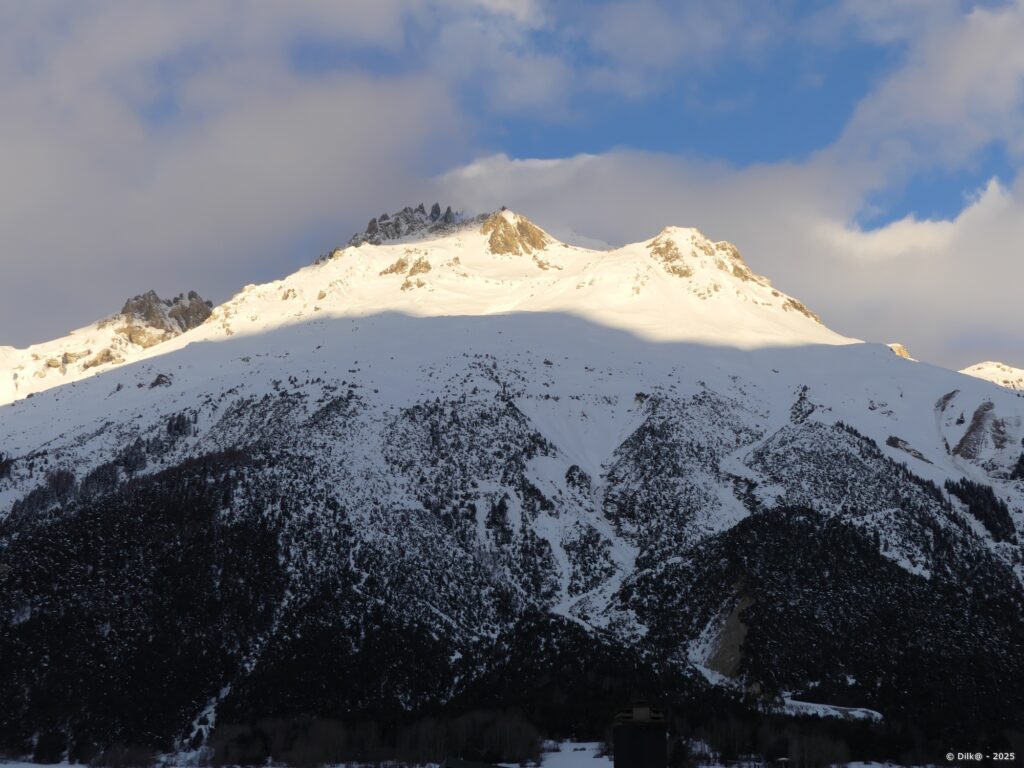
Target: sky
pixel 865 155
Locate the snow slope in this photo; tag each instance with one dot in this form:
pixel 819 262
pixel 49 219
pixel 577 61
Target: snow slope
pixel 578 338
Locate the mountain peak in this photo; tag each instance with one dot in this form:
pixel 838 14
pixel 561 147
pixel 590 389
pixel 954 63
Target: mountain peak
pixel 680 249
pixel 147 313
pixel 510 233
pixel 406 223
pixel 709 267
pixel 677 285
pixel 998 373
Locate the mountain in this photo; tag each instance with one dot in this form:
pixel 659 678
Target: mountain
pixel 998 373
pixel 143 322
pixel 475 472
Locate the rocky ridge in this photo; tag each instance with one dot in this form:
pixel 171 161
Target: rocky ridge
pixel 144 321
pixel 147 319
pixel 408 222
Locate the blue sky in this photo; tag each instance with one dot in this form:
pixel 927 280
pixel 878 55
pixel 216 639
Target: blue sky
pixel 864 154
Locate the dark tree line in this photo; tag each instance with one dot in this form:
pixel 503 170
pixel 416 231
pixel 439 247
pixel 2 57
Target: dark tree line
pixel 121 616
pixel 989 509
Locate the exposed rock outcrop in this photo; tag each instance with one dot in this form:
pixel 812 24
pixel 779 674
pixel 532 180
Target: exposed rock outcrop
pixel 148 319
pixel 511 233
pixel 900 350
pixel 408 222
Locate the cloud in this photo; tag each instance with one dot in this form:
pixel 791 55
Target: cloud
pixel 960 90
pixel 900 239
pixel 527 12
pixel 945 287
pixel 178 145
pixel 882 21
pixel 948 287
pixel 638 44
pixel 498 62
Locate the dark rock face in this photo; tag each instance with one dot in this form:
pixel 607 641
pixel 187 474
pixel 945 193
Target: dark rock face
pixel 147 319
pixel 170 316
pixel 145 306
pixel 408 222
pixel 189 311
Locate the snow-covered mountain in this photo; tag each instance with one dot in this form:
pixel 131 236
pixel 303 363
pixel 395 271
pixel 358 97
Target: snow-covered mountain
pixel 676 286
pixel 451 467
pixel 998 373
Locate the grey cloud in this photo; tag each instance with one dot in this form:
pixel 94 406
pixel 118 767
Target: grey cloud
pixel 257 171
pixel 638 43
pixel 254 168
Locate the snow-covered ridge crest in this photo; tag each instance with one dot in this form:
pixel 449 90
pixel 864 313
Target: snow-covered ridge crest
pixel 678 285
pixel 998 373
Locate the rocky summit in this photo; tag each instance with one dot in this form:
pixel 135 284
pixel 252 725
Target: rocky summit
pixel 463 470
pixel 177 315
pixel 408 222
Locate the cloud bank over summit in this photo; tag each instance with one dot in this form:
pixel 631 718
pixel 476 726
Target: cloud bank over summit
pixel 865 156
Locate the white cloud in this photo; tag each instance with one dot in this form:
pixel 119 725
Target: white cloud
pixel 175 145
pixel 948 288
pixel 496 58
pixel 900 239
pixel 883 21
pixel 641 41
pixel 527 12
pixel 960 90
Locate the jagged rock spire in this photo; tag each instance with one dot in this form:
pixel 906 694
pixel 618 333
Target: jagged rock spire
pixel 405 223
